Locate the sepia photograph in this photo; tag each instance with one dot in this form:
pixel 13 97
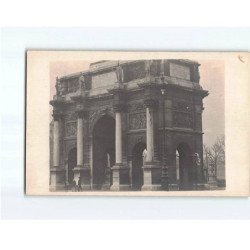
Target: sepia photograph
pixel 136 126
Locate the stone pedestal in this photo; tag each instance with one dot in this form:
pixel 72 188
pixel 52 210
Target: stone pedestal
pixel 120 178
pixel 57 179
pixel 173 187
pixel 83 174
pixel 212 183
pixel 151 176
pixel 85 178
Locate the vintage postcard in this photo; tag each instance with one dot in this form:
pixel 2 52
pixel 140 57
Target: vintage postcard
pixel 137 123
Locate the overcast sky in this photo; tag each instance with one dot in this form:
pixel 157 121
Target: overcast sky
pixel 212 79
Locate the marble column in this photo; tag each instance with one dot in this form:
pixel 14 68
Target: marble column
pixel 57 172
pixel 79 171
pixel 56 143
pixel 150 134
pixel 150 166
pixel 79 140
pixel 119 169
pixel 118 138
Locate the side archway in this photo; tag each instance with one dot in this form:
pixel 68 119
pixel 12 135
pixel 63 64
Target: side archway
pixel 138 156
pixel 184 165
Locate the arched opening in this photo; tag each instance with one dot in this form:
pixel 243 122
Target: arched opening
pixel 138 158
pixel 72 156
pixel 184 165
pixel 103 152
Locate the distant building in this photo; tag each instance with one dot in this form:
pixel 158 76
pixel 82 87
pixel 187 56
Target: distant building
pixel 128 125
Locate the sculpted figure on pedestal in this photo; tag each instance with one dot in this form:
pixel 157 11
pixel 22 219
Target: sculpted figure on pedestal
pixel 60 87
pixel 119 74
pixel 81 81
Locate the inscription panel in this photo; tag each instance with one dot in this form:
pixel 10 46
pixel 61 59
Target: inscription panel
pixel 180 71
pixel 104 80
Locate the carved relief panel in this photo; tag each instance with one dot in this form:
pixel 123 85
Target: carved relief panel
pixel 137 116
pixel 183 120
pixel 70 129
pixel 137 121
pixel 182 114
pixel 182 106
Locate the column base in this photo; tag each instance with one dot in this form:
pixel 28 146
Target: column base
pixel 151 176
pixel 120 178
pixel 105 187
pixel 57 179
pixel 200 186
pixel 86 187
pixel 84 174
pixel 212 185
pixel 120 187
pixel 59 187
pixel 77 173
pixel 173 187
pixel 153 187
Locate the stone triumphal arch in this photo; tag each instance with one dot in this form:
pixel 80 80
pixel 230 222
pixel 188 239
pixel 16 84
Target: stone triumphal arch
pixel 128 125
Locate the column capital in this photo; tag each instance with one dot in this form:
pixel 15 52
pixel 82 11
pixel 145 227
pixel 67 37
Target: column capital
pixel 119 98
pixel 57 115
pixel 81 113
pixel 57 102
pixel 119 107
pixel 150 103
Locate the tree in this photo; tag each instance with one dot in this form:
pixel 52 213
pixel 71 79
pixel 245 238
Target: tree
pixel 214 158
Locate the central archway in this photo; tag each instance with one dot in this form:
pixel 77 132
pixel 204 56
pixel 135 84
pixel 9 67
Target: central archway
pixel 184 163
pixel 137 163
pixel 103 152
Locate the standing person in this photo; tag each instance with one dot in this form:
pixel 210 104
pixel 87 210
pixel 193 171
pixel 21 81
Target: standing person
pixel 74 185
pixel 79 184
